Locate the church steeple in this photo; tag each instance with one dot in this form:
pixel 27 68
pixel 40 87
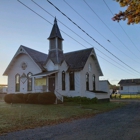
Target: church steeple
pixel 55 45
pixel 55 31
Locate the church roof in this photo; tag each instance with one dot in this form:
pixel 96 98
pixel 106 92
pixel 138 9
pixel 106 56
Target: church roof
pixel 76 60
pixel 55 31
pixel 37 56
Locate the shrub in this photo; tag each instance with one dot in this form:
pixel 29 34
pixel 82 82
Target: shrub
pixel 67 99
pixel 118 95
pixel 25 97
pixel 81 100
pixel 94 100
pixel 8 98
pixel 46 98
pixel 32 98
pixel 18 98
pixel 115 96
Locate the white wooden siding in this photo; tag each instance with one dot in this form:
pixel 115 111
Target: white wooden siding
pixel 130 89
pixel 16 69
pixel 104 86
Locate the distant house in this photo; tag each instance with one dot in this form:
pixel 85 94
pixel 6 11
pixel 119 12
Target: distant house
pixel 3 88
pixel 129 86
pixel 66 74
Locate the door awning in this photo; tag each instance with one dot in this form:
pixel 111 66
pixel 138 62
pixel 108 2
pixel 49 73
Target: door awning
pixel 45 73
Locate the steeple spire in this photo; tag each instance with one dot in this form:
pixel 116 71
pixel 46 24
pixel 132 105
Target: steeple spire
pixel 55 31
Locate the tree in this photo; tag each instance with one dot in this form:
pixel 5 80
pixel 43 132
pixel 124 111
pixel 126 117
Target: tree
pixel 114 87
pixel 132 12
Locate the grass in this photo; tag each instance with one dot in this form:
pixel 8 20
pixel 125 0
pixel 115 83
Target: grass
pixel 2 96
pixel 130 96
pixel 126 96
pixel 22 116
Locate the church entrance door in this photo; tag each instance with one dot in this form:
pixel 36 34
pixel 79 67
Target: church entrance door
pixel 51 84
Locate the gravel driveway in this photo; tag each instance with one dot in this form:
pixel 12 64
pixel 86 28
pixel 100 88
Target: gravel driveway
pixel 119 124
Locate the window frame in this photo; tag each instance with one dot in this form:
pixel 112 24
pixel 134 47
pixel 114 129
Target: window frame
pixel 17 82
pixel 59 42
pixel 63 80
pixel 87 81
pixel 72 80
pixel 52 44
pixel 94 82
pixel 90 67
pixel 29 81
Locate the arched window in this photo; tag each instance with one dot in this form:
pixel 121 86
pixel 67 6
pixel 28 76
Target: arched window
pixel 52 44
pixel 63 80
pixel 17 83
pixel 87 81
pixel 90 67
pixel 94 84
pixel 29 81
pixel 59 44
pixel 71 79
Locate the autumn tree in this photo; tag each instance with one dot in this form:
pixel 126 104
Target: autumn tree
pixel 114 87
pixel 132 12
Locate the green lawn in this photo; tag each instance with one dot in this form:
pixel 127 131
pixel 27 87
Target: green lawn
pixel 21 116
pixel 130 96
pixel 126 96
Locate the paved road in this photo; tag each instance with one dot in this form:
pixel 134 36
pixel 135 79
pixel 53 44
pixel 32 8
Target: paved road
pixel 119 124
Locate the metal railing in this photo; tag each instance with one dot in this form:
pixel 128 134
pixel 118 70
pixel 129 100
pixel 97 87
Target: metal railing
pixel 58 95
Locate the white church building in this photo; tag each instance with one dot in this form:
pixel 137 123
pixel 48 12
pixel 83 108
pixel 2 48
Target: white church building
pixel 66 74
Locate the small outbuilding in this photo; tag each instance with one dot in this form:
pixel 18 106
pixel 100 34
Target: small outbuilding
pixel 129 86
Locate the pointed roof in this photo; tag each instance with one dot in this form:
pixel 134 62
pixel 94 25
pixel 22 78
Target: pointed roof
pixel 76 60
pixel 38 57
pixel 55 31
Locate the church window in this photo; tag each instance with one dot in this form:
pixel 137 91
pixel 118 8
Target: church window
pixel 71 79
pixel 60 44
pixel 87 81
pixel 17 83
pixel 63 80
pixel 94 84
pixel 52 44
pixel 23 65
pixel 29 81
pixel 90 67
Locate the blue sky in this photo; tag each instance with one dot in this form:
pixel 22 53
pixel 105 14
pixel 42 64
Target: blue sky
pixel 20 26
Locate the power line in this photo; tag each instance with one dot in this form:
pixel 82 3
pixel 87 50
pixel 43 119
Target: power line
pixel 108 27
pixel 61 30
pixel 90 36
pixel 99 32
pixel 121 26
pixel 74 32
pixel 49 22
pixel 114 64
